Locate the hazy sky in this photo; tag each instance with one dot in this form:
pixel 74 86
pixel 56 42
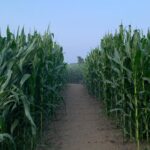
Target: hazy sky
pixel 78 25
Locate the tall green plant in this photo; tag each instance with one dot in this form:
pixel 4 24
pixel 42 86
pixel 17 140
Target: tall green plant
pixel 31 78
pixel 118 73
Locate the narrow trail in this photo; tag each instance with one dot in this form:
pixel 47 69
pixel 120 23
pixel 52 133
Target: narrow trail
pixel 85 126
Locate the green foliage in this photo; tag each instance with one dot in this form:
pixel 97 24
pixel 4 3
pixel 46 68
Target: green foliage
pixel 119 74
pixel 32 73
pixel 75 73
pixel 80 60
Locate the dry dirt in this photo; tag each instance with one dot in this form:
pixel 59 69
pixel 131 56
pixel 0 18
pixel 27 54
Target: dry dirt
pixel 84 126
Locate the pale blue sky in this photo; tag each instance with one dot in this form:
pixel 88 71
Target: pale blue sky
pixel 78 25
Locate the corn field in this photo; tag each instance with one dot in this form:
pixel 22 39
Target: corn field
pixel 75 73
pixel 118 73
pixel 32 73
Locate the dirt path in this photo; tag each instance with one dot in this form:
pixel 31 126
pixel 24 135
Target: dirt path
pixel 85 126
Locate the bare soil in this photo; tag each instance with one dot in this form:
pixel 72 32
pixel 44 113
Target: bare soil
pixel 84 126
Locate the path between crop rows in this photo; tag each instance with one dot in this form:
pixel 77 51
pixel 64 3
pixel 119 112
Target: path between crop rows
pixel 84 126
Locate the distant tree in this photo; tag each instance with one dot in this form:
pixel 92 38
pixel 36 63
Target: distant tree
pixel 80 60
